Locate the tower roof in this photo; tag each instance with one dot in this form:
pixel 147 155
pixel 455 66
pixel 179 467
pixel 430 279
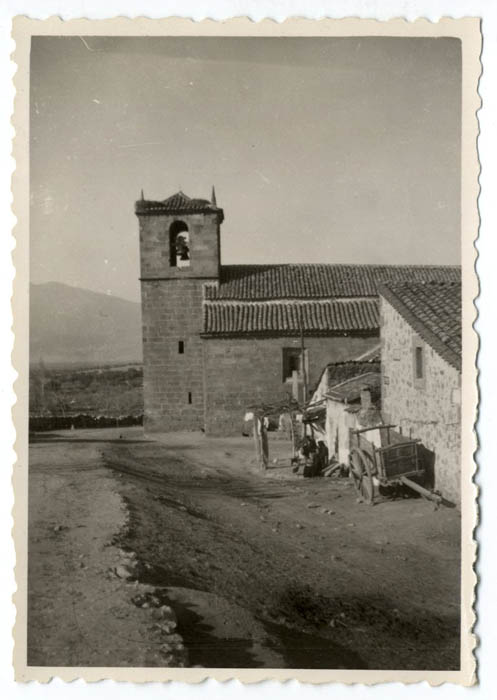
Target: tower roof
pixel 178 203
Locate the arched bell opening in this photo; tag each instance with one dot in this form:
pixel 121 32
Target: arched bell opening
pixel 179 245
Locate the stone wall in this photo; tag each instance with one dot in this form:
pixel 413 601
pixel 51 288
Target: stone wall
pixel 427 410
pixel 172 312
pixel 244 371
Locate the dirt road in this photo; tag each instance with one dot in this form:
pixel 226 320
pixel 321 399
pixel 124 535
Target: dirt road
pixel 179 553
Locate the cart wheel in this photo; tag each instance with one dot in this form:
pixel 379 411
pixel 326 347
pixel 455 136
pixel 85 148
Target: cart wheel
pixel 360 469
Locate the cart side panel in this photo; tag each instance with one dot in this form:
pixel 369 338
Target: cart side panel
pixel 400 459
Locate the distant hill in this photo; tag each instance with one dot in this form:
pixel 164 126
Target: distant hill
pixel 73 325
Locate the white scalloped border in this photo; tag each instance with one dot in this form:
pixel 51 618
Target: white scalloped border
pixel 468 30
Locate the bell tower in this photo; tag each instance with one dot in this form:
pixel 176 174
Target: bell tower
pixel 179 253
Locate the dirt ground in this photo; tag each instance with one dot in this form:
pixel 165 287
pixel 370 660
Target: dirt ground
pixel 178 551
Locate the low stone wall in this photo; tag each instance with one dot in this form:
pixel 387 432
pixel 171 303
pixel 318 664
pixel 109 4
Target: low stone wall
pixel 45 423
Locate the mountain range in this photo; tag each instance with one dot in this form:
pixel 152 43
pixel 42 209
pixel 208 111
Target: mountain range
pixel 70 325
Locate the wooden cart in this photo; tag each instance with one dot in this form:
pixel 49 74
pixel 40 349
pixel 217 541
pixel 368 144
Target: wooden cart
pixel 381 456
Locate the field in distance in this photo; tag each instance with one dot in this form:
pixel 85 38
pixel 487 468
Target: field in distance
pixel 64 390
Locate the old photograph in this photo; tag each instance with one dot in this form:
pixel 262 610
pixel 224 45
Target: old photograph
pixel 246 333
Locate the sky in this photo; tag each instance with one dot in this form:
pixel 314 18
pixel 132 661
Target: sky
pixel 339 150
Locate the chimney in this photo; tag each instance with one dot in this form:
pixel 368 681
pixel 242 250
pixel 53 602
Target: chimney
pixel 366 397
pixel 213 196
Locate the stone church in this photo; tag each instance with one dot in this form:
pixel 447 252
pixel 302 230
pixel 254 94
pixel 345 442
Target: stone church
pixel 219 338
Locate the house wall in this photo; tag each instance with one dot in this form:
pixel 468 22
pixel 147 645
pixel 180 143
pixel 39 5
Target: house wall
pixel 339 422
pixel 423 410
pixel 337 430
pixel 321 387
pixel 239 372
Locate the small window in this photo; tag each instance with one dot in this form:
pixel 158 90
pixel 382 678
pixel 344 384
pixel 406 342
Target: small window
pixel 181 347
pixel 292 362
pixel 189 397
pixel 419 362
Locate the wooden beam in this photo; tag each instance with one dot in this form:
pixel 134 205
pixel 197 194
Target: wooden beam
pixel 420 489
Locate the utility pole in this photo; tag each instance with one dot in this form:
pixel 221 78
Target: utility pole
pixel 302 358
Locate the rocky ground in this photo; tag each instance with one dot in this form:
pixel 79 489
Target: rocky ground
pixel 179 552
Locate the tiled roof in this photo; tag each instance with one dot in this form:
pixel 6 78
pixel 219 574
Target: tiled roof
pixel 178 203
pixel 370 355
pixel 350 389
pixel 339 372
pixel 305 281
pixel 289 317
pixel 434 312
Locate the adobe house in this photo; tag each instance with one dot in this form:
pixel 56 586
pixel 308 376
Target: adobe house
pixel 347 397
pixel 421 371
pixel 219 338
pixel 337 372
